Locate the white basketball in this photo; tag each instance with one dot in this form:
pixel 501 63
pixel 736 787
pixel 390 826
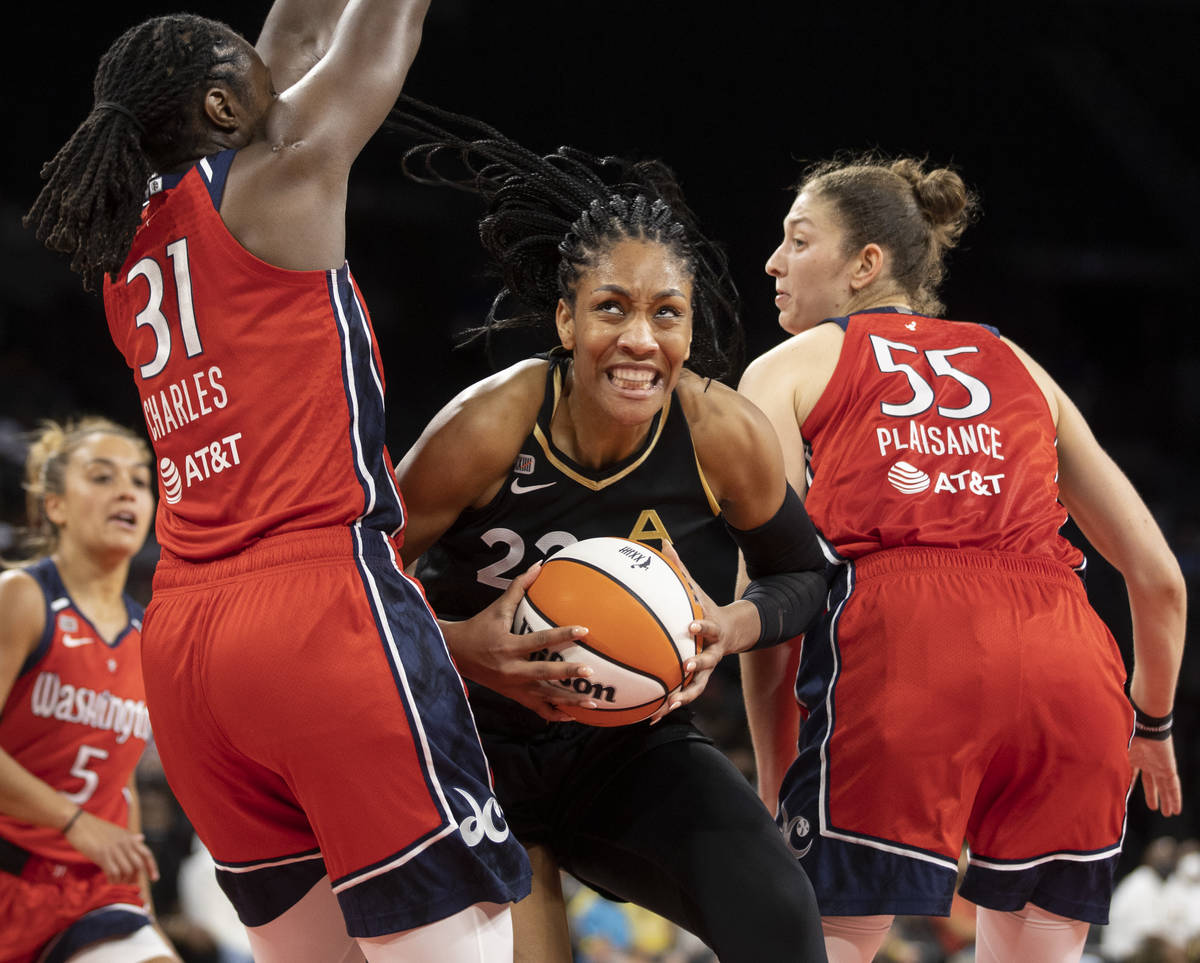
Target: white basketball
pixel 637 608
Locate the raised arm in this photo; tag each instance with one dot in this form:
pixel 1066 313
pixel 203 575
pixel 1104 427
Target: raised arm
pixel 1113 517
pixel 337 105
pixel 295 36
pixel 285 200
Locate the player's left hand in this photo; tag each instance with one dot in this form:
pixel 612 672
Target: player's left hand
pixel 1154 761
pixel 487 651
pixel 723 629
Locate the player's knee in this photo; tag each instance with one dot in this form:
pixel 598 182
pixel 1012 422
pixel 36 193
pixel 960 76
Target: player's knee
pixel 854 939
pixel 1031 934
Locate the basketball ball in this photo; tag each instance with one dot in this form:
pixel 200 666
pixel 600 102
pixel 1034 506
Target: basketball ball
pixel 636 606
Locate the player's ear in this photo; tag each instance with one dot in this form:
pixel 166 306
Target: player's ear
pixel 564 320
pixel 870 263
pixel 54 507
pixel 222 108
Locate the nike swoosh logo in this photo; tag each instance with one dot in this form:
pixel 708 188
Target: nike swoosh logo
pixel 518 489
pixel 75 641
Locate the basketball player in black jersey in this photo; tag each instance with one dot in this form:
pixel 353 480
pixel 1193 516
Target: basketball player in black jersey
pixel 612 434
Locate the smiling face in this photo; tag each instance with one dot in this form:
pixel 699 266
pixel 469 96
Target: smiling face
pixel 105 506
pixel 629 331
pixel 812 272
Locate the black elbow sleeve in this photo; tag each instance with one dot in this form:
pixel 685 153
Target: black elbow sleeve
pixel 787 571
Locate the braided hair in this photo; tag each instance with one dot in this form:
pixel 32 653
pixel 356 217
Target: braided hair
pixel 145 92
pixel 550 218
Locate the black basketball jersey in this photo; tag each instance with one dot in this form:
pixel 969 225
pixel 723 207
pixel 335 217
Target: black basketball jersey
pixel 549 501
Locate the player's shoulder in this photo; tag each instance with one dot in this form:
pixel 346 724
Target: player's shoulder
pixel 23 603
pixel 719 416
pixel 490 418
pixel 19 582
pixel 502 398
pixel 795 355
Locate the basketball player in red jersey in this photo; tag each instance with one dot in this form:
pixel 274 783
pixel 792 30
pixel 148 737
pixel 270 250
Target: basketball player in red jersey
pixel 74 871
pixel 308 715
pixel 960 685
pixel 619 430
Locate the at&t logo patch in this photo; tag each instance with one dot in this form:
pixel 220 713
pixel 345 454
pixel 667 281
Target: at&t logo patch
pixel 907 479
pixel 172 481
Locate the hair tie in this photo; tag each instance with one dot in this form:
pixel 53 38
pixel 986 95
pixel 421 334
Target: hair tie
pixel 121 109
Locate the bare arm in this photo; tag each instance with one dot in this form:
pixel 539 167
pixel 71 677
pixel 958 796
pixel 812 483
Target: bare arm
pixel 285 200
pixel 120 853
pixel 22 795
pixel 772 714
pixel 742 461
pixel 295 36
pixel 460 461
pixel 338 104
pixel 785 384
pixel 1113 517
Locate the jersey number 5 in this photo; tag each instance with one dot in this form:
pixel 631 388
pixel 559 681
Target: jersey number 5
pixel 152 314
pixel 979 400
pixel 90 777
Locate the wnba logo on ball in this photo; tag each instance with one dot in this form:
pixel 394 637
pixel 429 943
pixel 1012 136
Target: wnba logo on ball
pixel 172 483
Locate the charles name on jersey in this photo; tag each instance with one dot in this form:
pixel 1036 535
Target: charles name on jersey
pixel 184 401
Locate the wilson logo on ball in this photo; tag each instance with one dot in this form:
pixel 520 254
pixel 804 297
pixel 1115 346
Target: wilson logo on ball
pixel 637 608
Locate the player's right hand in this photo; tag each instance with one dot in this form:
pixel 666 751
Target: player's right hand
pixel 123 855
pixel 1154 760
pixel 487 651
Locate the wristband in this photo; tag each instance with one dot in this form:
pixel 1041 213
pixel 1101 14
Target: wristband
pixel 71 822
pixel 1151 727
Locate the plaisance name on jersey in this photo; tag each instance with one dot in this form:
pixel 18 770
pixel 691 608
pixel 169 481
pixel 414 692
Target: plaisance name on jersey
pixel 969 439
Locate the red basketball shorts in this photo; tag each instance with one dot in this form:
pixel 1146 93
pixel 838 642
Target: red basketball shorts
pixel 961 695
pixel 309 719
pixel 47 897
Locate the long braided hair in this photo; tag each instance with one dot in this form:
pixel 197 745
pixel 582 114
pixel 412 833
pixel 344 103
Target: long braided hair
pixel 145 92
pixel 549 218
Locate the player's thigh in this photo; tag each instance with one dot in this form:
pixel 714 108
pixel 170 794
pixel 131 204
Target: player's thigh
pixel 482 933
pixel 680 831
pixel 144 946
pixel 1031 934
pixel 311 931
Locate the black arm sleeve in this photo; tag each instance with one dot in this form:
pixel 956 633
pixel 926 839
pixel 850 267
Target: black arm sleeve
pixel 786 569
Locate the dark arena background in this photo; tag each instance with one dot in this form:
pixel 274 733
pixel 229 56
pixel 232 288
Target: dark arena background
pixel 1074 121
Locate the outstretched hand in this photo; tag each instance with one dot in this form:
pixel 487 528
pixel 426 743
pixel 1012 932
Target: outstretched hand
pixel 721 630
pixel 1154 760
pixel 487 651
pixel 123 855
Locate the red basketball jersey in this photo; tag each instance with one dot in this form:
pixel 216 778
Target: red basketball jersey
pixel 933 433
pixel 76 716
pixel 262 388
